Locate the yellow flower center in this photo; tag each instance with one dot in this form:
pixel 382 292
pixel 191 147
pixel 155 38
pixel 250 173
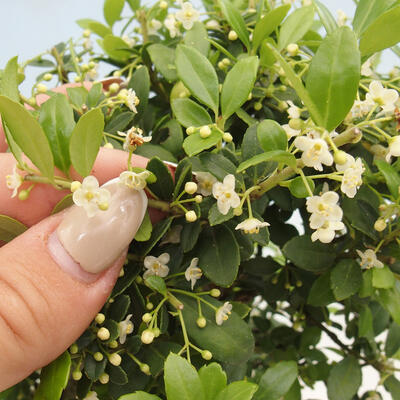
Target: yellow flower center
pixel 89 196
pixel 188 14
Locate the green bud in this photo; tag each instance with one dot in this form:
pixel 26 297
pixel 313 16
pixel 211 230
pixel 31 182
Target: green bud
pixel 201 322
pixel 23 195
pixel 98 356
pixel 145 369
pixel 146 318
pixel 207 355
pixel 215 292
pixel 73 349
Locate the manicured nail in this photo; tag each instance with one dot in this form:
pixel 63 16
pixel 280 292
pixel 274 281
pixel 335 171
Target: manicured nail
pixel 96 242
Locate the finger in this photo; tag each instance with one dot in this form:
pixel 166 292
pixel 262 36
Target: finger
pixel 67 262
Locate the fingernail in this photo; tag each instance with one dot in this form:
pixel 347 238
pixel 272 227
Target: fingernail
pixel 96 242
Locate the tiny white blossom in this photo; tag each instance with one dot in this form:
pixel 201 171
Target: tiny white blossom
pixel 153 26
pixel 366 68
pixel 172 25
pixel 128 40
pixel 385 98
pixel 352 177
pixel 91 197
pixel 205 182
pixel 324 208
pixel 293 111
pixel 134 138
pixel 368 259
pixel 394 148
pixel 156 265
pixel 315 152
pixel 380 152
pixel 193 272
pixel 225 194
pixel 223 312
pixel 14 181
pixel 87 44
pixel 341 18
pixel 213 24
pixel 251 225
pixel 125 328
pixel 326 232
pixel 91 396
pixel 131 100
pixel 290 132
pixel 187 15
pixel 134 180
pixel 359 109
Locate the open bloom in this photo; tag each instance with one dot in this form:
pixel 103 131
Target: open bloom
pixel 359 109
pixel 326 232
pixel 205 182
pixel 91 197
pixel 134 180
pixel 172 25
pixel 225 194
pixel 130 99
pixel 156 266
pixel 222 314
pixel 14 181
pixel 341 18
pixel 315 152
pixel 251 225
pixel 324 208
pixel 368 259
pixel 128 40
pixel 91 396
pixel 290 132
pixel 134 138
pixel 352 176
pixel 193 272
pixel 366 68
pixel 394 148
pixel 293 111
pixel 153 26
pixel 378 95
pixel 187 15
pixel 125 328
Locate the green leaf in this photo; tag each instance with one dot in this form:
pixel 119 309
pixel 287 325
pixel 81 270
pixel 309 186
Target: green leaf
pixel 365 323
pixel 216 218
pixel 213 379
pixel 238 391
pixel 116 48
pixel 195 144
pixel 233 96
pixel 230 342
pixel 94 368
pixel 346 279
pixel 163 58
pixel 112 10
pixel 308 255
pixel 139 396
pixel 181 380
pixel 344 379
pixel 333 77
pixel 267 57
pixel 321 294
pixel 219 255
pixel 117 375
pixel 276 381
pixel 384 32
pixel 77 96
pixel 393 386
pixel 10 228
pixel 86 140
pixel 150 150
pixel 9 80
pixel 134 4
pixel 189 113
pixel 271 136
pixel 325 16
pixel 96 27
pixel 275 155
pixel 120 122
pixel 383 278
pixel 14 148
pixel 390 300
pixel 119 308
pixel 145 229
pixel 157 284
pixel 392 345
pixel 94 95
pixel 190 235
pixel 367 12
pixel 235 20
pixel 65 202
pixel 164 187
pixel 28 135
pixel 218 165
pixel 197 37
pixel 298 188
pixel 57 120
pixel 198 75
pixel 183 174
pixel 174 140
pixel 140 83
pixel 267 24
pixel 54 378
pixel 296 26
pixel 391 176
pixel 366 288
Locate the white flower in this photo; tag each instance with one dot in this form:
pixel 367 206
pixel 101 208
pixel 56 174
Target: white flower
pixel 326 232
pixel 380 152
pixel 91 396
pixel 251 225
pixel 360 108
pixel 153 26
pixel 213 24
pixel 193 272
pixel 187 15
pixel 352 178
pixel 366 68
pixel 172 25
pixel 225 194
pixel 134 180
pixel 394 148
pixel 205 182
pixel 223 312
pixel 342 18
pixel 128 40
pixel 134 138
pixel 125 328
pixel 324 208
pixel 131 100
pixel 290 132
pixel 91 197
pixel 315 152
pixel 293 111
pixel 87 44
pixel 14 181
pixel 368 259
pixel 385 98
pixel 156 266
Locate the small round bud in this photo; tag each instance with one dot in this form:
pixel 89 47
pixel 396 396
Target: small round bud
pixel 227 137
pixel 274 280
pixel 296 123
pixel 201 322
pixel 146 318
pixel 282 88
pixel 221 65
pixel 232 35
pixel 77 375
pixel 156 332
pixel 98 356
pixel 41 88
pixel 77 79
pixel 92 64
pixel 147 336
pixel 145 369
pixel 163 5
pixel 149 306
pixel 103 206
pixel 250 96
pixel 85 67
pixel 103 334
pixel 48 77
pixel 113 88
pixel 108 146
pixel 87 33
pixel 113 344
pixel 104 378
pixel 237 211
pixel 191 216
pixel 215 292
pixel 115 359
pixel 73 349
pixel 23 195
pixel 340 157
pixel 207 355
pixel 282 105
pixel 205 131
pixel 117 74
pixel 287 285
pixel 190 130
pixel 32 102
pixel 139 281
pixel 100 318
pixel 299 283
pixel 226 61
pixel 190 187
pixel 297 325
pixel 257 106
pixel 293 49
pixel 198 199
pixel 380 225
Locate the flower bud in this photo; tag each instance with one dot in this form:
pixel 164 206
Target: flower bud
pixel 190 130
pixel 75 185
pixel 292 49
pixel 191 216
pixel 77 375
pixel 380 225
pixel 237 211
pixel 23 195
pixel 32 102
pixel 227 137
pixel 103 334
pixel 115 359
pixel 163 5
pixel 190 187
pixel 226 61
pixel 48 77
pixel 104 378
pixel 221 65
pixel 113 344
pixel 232 35
pixel 108 146
pixel 98 356
pixel 87 33
pixel 146 318
pixel 113 88
pixel 77 79
pixel 205 131
pixel 201 322
pixel 296 123
pixel 198 199
pixel 149 306
pixel 274 280
pixel 156 332
pixel 250 96
pixel 299 283
pixel 340 157
pixel 207 355
pixel 257 106
pixel 73 349
pixel 145 369
pixel 85 67
pixel 215 292
pixel 147 336
pixel 100 318
pixel 92 64
pixel 117 74
pixel 41 88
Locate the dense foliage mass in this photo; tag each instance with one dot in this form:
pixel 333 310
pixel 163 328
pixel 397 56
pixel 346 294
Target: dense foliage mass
pixel 281 220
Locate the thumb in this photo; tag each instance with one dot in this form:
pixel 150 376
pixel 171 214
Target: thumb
pixel 56 276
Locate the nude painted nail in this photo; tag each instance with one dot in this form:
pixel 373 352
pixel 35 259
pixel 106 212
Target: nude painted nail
pixel 96 242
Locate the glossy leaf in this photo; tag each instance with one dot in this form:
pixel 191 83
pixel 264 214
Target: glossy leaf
pixel 12 145
pixel 213 379
pixel 163 58
pixel 238 391
pixel 157 284
pixel 298 188
pixel 390 300
pixel 365 323
pixel 392 345
pixel 140 83
pixel 325 16
pixel 189 113
pixel 95 94
pixel 271 136
pixel 164 186
pixel 112 10
pixel 321 294
pixel 333 77
pixel 346 279
pixel 9 80
pixel 96 27
pixel 10 228
pixel 391 176
pixel 197 37
pixel 275 155
pixel 65 202
pixel 383 278
pixel 116 48
pixel 195 144
pixel 393 386
pixel 216 218
pixel 139 396
pixel 344 379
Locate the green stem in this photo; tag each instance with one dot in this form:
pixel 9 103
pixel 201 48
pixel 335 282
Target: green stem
pixel 185 335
